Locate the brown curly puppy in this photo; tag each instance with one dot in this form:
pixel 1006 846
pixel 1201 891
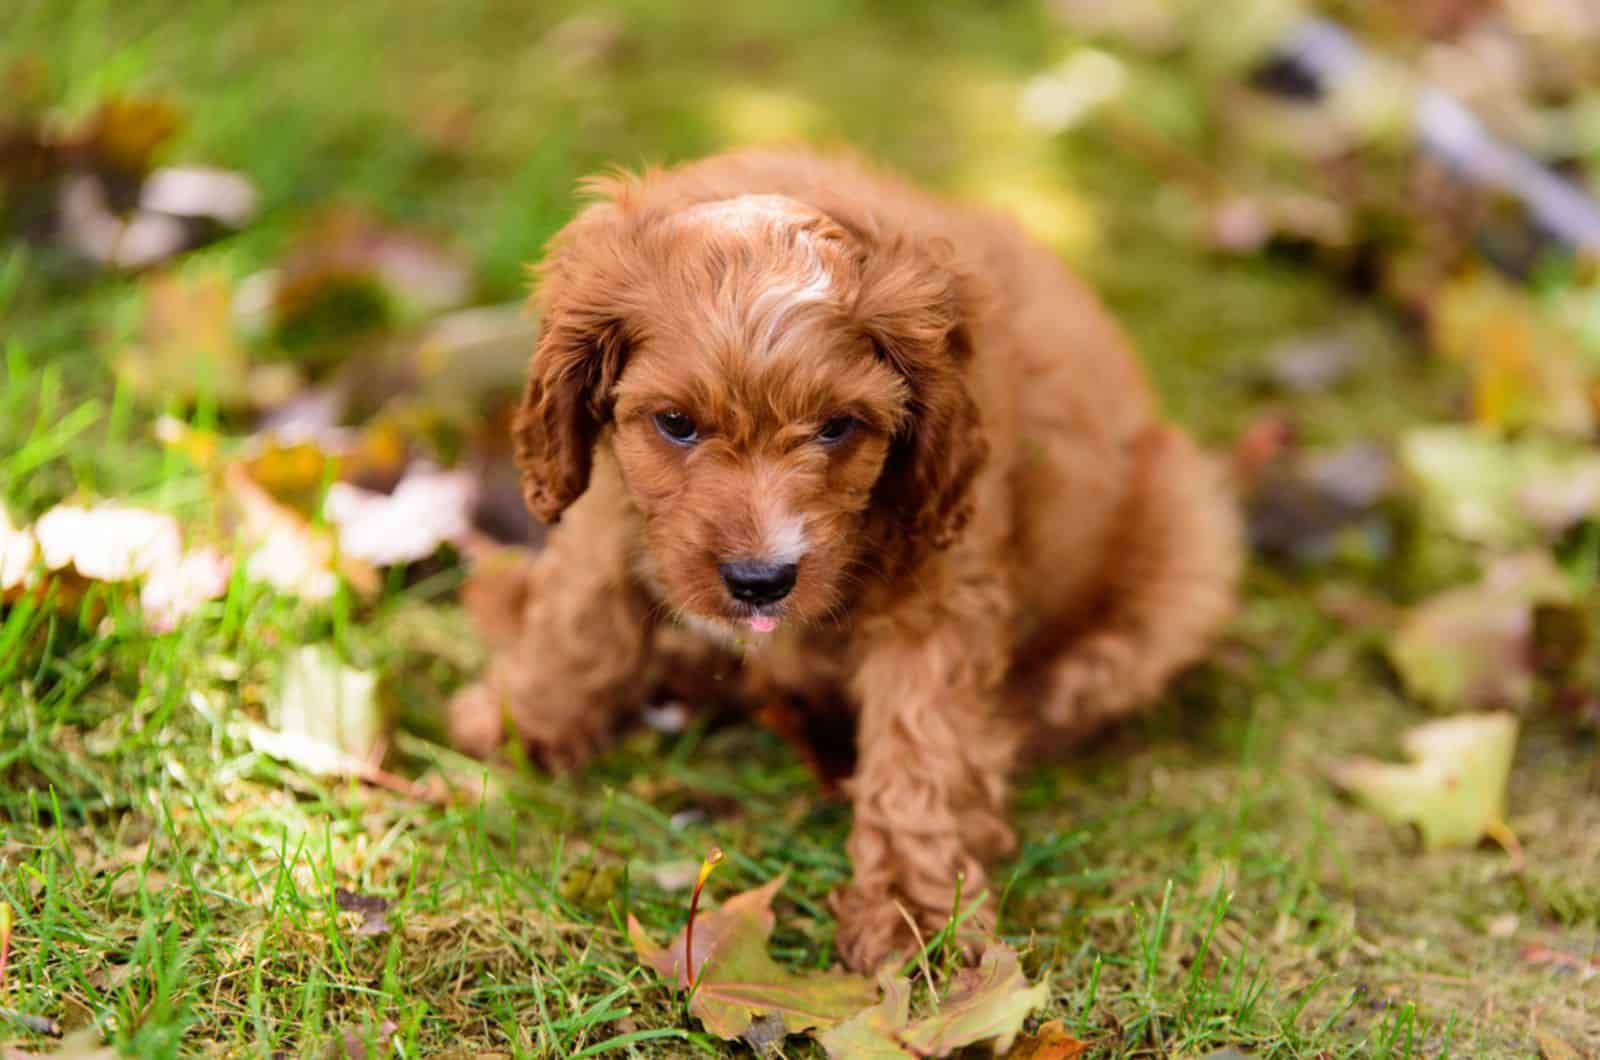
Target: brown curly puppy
pixel 813 433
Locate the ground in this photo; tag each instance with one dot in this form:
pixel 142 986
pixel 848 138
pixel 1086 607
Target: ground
pixel 1191 883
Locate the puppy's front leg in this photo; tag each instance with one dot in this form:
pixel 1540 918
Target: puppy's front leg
pixel 579 656
pixel 930 789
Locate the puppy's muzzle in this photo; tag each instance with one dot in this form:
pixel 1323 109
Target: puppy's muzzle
pixel 759 583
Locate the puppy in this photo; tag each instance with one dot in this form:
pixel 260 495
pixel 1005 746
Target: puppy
pixel 811 433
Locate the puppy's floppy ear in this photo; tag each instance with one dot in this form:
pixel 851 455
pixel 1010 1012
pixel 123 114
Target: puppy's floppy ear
pixel 583 339
pixel 915 306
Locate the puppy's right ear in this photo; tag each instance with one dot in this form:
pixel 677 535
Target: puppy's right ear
pixel 582 347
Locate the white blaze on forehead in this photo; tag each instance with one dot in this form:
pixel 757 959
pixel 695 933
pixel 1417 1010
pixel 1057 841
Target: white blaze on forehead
pixel 792 287
pixel 744 212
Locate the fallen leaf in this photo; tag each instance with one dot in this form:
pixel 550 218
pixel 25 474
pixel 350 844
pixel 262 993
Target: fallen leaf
pixel 1050 1042
pixel 126 132
pixel 200 191
pixel 186 347
pixel 92 228
pixel 735 980
pixel 90 187
pixel 373 910
pixel 1455 788
pixel 352 1045
pixel 109 542
pixel 1557 499
pixel 172 593
pixel 871 1034
pixel 114 544
pixel 349 272
pixel 1062 98
pixel 986 1004
pixel 1474 646
pixel 1526 371
pixel 428 509
pixel 1477 486
pixel 284 549
pixel 325 717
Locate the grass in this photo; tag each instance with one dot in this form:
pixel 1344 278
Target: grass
pixel 1189 884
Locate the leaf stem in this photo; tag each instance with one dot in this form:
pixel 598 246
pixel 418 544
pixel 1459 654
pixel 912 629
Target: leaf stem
pixel 713 859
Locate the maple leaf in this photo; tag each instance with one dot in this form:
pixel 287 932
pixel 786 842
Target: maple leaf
pixel 1455 789
pixel 734 980
pixel 986 1004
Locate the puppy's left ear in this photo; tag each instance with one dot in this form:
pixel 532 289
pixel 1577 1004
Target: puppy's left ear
pixel 916 306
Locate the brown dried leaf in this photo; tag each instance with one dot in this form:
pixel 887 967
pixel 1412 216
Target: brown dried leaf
pixel 1049 1042
pixel 735 980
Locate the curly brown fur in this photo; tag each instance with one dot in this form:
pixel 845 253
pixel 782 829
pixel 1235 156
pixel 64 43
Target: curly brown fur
pixel 996 542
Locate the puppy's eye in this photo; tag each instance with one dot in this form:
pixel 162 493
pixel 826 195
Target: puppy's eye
pixel 676 428
pixel 836 430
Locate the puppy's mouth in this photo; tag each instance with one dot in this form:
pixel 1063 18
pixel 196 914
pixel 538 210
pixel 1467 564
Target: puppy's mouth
pixel 761 620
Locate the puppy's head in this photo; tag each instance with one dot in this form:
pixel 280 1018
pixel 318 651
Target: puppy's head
pixel 782 391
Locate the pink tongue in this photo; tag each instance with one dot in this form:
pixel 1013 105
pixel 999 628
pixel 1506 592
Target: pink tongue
pixel 762 623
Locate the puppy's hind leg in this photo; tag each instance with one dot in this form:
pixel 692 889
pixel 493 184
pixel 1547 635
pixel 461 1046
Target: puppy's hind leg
pixel 1175 560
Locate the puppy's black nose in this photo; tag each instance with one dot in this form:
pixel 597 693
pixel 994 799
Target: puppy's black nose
pixel 755 582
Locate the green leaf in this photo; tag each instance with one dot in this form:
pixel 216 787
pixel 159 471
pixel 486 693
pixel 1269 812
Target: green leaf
pixel 737 980
pixel 1455 789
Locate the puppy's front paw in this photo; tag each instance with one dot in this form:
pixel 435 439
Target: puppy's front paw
pixel 871 928
pixel 477 720
pixel 482 715
pixel 1093 683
